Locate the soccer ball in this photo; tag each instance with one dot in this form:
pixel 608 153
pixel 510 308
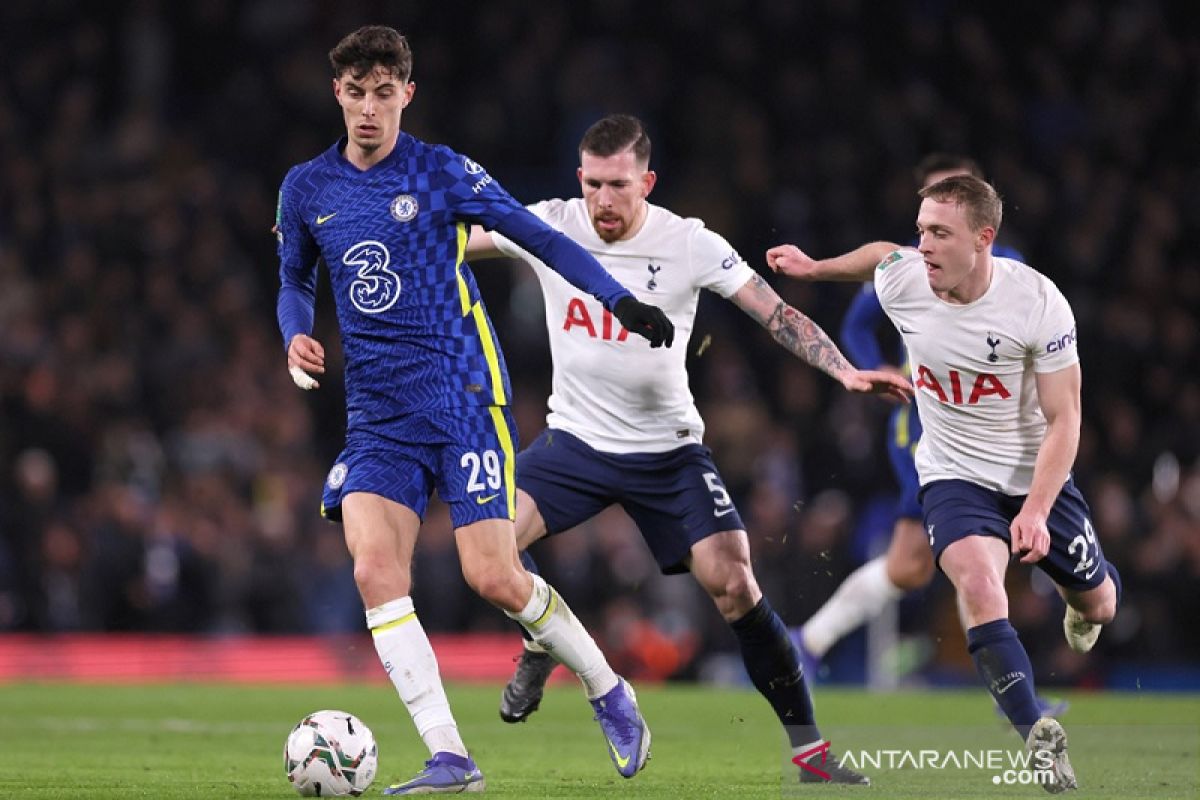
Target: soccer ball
pixel 330 754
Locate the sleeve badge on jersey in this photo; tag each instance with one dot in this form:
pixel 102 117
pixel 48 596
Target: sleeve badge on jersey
pixel 337 476
pixel 892 258
pixel 471 167
pixel 404 208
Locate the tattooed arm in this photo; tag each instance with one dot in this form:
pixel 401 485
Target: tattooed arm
pixel 806 340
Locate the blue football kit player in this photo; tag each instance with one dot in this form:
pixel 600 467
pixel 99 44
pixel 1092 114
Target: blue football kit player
pixel 623 427
pixel 995 362
pixel 427 392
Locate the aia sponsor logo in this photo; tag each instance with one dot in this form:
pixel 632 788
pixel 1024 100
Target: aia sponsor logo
pixel 603 325
pixel 980 386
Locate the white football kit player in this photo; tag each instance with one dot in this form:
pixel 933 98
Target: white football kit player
pixel 974 365
pixel 623 426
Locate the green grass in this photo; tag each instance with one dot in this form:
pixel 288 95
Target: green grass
pixel 210 741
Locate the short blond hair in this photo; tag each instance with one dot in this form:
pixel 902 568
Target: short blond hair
pixel 982 203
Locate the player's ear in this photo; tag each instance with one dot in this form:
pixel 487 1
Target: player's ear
pixel 985 238
pixel 410 89
pixel 579 175
pixel 649 178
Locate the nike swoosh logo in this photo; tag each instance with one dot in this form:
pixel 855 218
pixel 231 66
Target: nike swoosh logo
pixel 621 762
pixel 1009 685
pixel 484 500
pixel 717 513
pixel 321 220
pixel 906 329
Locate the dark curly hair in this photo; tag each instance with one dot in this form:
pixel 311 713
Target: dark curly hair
pixel 369 47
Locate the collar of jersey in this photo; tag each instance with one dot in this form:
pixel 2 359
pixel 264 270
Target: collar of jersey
pixel 336 153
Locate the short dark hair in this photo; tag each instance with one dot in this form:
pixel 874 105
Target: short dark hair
pixel 614 134
pixel 369 47
pixel 945 162
pixel 979 198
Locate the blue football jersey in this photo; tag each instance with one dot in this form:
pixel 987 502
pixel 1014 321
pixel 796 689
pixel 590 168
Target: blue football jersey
pixel 414 330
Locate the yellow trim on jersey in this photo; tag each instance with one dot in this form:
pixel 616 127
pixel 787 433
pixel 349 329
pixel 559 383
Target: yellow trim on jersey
pixel 902 433
pixel 464 292
pixel 540 621
pixel 510 460
pixel 396 623
pixel 491 354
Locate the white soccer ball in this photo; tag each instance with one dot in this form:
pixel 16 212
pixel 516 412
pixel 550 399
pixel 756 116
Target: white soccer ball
pixel 330 754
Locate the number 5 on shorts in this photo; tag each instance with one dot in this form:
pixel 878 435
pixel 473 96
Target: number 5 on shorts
pixel 721 497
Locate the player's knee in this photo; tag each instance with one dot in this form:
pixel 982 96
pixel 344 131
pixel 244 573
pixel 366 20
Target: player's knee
pixel 495 583
pixel 981 590
pixel 741 586
pixel 736 592
pixel 1102 612
pixel 377 577
pixel 910 571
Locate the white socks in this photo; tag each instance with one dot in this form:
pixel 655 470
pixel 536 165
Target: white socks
pixel 409 661
pixel 559 633
pixel 861 597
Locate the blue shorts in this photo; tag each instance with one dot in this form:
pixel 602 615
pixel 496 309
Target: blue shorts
pixel 467 454
pixel 904 431
pixel 956 509
pixel 676 498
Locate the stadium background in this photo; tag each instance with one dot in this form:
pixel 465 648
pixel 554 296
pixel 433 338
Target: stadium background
pixel 160 473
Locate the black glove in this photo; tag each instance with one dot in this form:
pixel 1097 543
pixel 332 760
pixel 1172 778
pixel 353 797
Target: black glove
pixel 645 320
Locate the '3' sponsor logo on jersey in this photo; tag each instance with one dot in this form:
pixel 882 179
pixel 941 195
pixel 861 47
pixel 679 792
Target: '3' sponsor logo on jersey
pixel 376 288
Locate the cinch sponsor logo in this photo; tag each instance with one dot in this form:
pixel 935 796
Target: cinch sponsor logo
pixel 983 385
pixel 1062 342
pixel 578 317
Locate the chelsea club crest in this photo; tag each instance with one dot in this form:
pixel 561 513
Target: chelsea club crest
pixel 404 208
pixel 337 476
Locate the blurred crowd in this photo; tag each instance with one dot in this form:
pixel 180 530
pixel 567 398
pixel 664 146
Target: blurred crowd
pixel 160 472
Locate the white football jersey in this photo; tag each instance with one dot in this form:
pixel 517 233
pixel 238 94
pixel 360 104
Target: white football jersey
pixel 610 388
pixel 974 368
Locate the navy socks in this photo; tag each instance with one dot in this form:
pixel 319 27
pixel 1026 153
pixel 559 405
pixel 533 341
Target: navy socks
pixel 1002 662
pixel 774 667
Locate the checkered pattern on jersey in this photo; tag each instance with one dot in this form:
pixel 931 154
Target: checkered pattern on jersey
pixel 414 330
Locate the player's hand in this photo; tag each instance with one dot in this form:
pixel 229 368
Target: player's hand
pixel 1030 536
pixel 882 382
pixel 645 320
pixel 787 259
pixel 305 355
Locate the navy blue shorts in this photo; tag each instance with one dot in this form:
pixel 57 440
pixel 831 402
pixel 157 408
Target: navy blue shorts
pixel 956 509
pixel 676 498
pixel 904 431
pixel 468 454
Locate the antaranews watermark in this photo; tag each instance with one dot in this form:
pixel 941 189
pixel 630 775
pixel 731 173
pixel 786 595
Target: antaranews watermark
pixel 1010 767
pixel 989 760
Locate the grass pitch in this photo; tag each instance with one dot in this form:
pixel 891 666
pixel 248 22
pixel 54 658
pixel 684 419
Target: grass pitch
pixel 216 741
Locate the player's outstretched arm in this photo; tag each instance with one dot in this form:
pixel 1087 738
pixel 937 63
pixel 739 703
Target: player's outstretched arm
pixel 857 265
pixel 805 339
pixel 305 355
